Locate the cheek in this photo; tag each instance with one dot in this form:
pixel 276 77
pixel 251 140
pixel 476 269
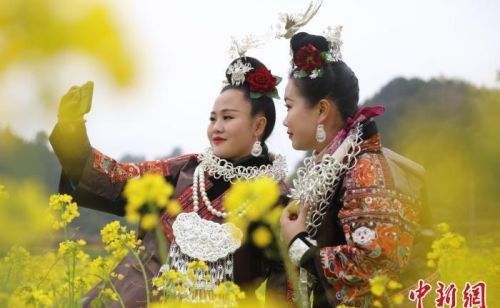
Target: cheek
pixel 298 118
pixel 239 127
pixel 209 130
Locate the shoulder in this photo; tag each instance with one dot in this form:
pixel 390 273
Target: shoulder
pixel 369 170
pixel 173 165
pixel 377 185
pixel 386 169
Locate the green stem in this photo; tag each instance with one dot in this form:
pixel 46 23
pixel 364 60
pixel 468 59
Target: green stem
pixel 143 270
pixel 48 272
pixel 72 280
pixel 7 277
pixel 68 272
pixel 290 268
pixel 112 285
pixel 160 237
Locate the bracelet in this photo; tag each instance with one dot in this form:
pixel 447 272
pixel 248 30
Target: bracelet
pixel 299 246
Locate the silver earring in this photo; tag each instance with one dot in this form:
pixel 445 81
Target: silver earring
pixel 320 133
pixel 256 149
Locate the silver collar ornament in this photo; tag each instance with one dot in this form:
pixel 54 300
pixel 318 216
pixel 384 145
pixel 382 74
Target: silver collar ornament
pixel 199 239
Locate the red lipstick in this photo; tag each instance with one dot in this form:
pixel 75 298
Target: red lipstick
pixel 218 140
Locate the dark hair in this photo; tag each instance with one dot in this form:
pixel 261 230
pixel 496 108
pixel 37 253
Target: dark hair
pixel 263 104
pixel 338 83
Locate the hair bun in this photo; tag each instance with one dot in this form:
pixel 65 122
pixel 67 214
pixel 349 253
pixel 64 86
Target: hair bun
pixel 303 38
pixel 254 63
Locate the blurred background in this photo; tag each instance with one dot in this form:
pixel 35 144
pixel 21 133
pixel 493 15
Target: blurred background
pixel 158 66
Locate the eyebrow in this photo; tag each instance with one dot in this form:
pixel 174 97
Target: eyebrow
pixel 286 99
pixel 226 110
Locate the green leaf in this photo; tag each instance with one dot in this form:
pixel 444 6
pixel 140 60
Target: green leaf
pixel 316 73
pixel 375 252
pixel 299 74
pixel 255 95
pixel 353 279
pixel 278 79
pixel 325 56
pixel 402 251
pixel 343 259
pixel 273 94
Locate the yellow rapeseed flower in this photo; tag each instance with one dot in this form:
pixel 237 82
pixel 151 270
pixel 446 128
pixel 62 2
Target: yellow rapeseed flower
pixel 117 240
pixel 108 293
pixel 149 189
pixel 377 290
pixel 70 247
pixel 23 213
pixel 35 297
pixel 398 299
pixel 378 285
pixel 230 291
pixel 431 263
pixel 273 217
pixel 149 221
pixel 448 244
pixel 394 285
pixel 16 254
pixel 256 199
pixel 443 227
pixel 262 237
pixel 174 208
pixel 62 210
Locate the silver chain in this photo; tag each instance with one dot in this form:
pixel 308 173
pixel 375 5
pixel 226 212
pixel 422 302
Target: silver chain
pixel 221 168
pixel 316 182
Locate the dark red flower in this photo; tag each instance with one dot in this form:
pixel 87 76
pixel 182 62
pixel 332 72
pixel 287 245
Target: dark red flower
pixel 307 58
pixel 261 80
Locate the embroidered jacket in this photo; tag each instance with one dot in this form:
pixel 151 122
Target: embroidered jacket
pixel 369 227
pixel 96 181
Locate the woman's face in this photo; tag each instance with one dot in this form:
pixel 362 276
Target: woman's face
pixel 232 130
pixel 301 119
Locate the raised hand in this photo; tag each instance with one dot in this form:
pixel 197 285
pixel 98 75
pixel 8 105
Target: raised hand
pixel 76 102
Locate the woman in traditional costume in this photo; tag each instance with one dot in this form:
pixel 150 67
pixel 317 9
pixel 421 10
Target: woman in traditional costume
pixel 241 120
pixel 359 203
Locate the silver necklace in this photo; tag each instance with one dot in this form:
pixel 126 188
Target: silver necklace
pixel 221 168
pixel 316 182
pixel 199 239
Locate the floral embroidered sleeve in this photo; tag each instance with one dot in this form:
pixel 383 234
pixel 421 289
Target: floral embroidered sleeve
pixel 378 220
pixel 95 180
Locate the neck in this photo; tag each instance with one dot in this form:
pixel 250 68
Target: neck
pixel 320 148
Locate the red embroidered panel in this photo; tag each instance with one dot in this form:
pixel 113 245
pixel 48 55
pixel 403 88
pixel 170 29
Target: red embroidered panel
pixel 122 172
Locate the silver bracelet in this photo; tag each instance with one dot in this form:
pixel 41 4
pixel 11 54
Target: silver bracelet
pixel 298 249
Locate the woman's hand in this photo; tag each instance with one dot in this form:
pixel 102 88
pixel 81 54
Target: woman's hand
pixel 76 102
pixel 292 223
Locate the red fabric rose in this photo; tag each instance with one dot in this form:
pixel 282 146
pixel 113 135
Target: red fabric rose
pixel 261 80
pixel 308 58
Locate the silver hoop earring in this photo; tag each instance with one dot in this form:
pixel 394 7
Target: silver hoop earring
pixel 320 133
pixel 256 149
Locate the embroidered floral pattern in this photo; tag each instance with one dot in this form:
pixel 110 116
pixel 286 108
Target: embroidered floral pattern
pixel 122 172
pixel 378 222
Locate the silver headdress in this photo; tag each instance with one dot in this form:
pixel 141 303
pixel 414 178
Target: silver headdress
pixel 240 46
pixel 260 80
pixel 238 49
pixel 290 23
pixel 332 35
